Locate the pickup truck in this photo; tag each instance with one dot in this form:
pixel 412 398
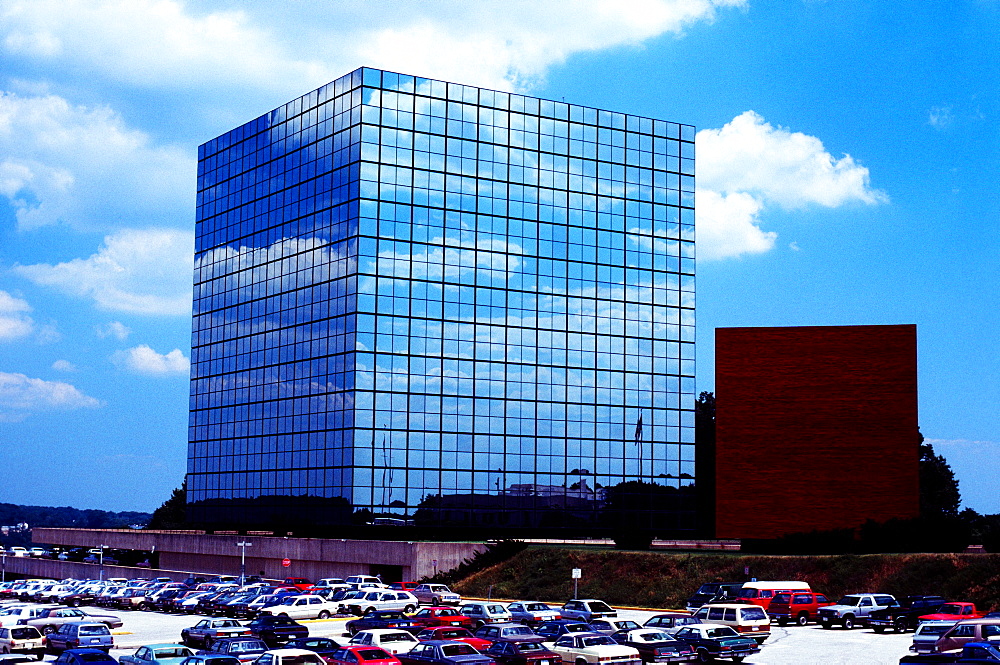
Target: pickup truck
pixel 907 615
pixel 854 609
pixel 954 612
pixel 972 652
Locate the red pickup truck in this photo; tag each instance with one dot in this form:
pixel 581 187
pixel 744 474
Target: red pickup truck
pixel 954 612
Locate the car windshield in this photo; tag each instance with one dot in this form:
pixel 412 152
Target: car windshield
pixel 753 614
pixel 95 657
pixel 372 654
pixel 849 600
pixel 530 647
pixel 577 628
pixel 654 636
pixel 25 633
pixel 600 607
pixel 933 628
pixel 517 630
pixel 396 637
pixel 302 659
pixel 722 631
pixel 245 647
pixel 950 609
pixel 457 650
pixel 597 640
pixel 537 607
pixel 222 661
pixel 171 653
pixel 99 629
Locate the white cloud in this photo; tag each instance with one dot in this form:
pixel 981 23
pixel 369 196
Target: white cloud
pixel 14 322
pixel 83 166
pixel 145 360
pixel 749 164
pixel 63 366
pixel 169 43
pixel 940 117
pixel 20 395
pixel 142 271
pixel 114 329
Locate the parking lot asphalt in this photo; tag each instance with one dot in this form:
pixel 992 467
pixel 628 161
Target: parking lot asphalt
pixel 792 645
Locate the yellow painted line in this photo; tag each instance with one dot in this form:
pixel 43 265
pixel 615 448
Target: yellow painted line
pixel 122 632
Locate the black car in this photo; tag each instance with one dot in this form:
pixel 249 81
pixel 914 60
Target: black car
pixel 210 659
pixel 655 646
pixel 551 630
pixel 711 640
pixel 522 652
pixel 323 646
pixel 444 652
pixel 508 631
pixel 905 616
pixel 383 619
pixel 276 630
pixel 245 649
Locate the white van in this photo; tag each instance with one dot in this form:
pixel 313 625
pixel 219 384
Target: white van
pixel 761 593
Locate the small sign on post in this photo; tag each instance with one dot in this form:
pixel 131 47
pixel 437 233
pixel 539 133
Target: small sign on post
pixel 577 574
pixel 286 562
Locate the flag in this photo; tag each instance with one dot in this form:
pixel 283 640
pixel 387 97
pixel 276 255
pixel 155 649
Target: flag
pixel 638 430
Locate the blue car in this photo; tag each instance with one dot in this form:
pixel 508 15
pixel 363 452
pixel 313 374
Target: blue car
pixel 84 657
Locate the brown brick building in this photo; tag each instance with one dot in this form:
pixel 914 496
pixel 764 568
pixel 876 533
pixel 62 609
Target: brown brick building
pixel 816 428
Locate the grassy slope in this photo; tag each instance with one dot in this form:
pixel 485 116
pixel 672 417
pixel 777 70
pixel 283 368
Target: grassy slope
pixel 660 580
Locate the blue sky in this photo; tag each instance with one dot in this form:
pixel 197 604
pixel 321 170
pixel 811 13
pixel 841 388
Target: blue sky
pixel 848 169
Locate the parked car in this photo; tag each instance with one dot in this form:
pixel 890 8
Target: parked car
pixel 712 640
pixel 927 634
pixel 302 607
pixel 587 610
pixel 973 653
pixel 276 630
pixel 22 639
pixel 204 633
pixel 383 599
pixel 363 655
pixel 495 632
pixel 323 646
pixel 609 626
pixel 391 639
pixel 157 654
pixel 83 657
pixel 382 619
pixel 77 634
pixel 532 613
pixel 484 613
pixel 746 620
pixel 798 606
pixel 522 652
pixel 404 586
pixel 444 652
pixel 436 594
pixel 210 659
pixel 761 593
pixel 854 609
pixel 550 631
pixel 670 622
pixel 289 657
pixel 359 581
pixel 51 618
pixel 973 630
pixel 953 612
pixel 12 616
pixel 905 615
pixel 455 633
pixel 656 646
pixel 242 648
pixel 594 649
pixel 713 591
pixel 441 616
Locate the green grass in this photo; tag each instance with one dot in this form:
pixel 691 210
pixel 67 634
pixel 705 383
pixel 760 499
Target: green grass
pixel 666 580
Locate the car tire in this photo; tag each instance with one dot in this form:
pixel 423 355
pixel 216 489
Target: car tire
pixel 802 619
pixel 879 629
pixel 75 602
pixel 826 624
pixel 370 609
pixel 848 622
pixel 899 625
pixel 48 630
pixel 704 656
pixel 782 622
pixel 435 601
pixel 324 615
pixel 409 609
pixel 581 661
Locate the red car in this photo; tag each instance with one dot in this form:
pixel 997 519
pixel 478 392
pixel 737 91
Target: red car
pixel 404 586
pixel 442 616
pixel 299 583
pixel 362 655
pixel 456 633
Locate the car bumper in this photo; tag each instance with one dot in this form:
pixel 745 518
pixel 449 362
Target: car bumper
pixel 679 658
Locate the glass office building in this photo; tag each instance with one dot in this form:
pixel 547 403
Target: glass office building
pixel 418 302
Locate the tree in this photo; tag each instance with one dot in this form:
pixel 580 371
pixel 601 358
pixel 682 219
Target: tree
pixel 172 514
pixel 939 494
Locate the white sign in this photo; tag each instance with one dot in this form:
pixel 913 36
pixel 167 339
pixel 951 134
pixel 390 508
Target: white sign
pixel 577 573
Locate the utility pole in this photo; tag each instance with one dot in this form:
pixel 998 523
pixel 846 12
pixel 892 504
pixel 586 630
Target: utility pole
pixel 101 576
pixel 243 560
pixel 3 574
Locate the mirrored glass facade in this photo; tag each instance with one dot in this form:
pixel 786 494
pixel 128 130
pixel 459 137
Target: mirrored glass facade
pixel 426 303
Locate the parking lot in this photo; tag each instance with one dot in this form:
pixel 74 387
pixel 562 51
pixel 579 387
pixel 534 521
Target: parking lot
pixel 793 645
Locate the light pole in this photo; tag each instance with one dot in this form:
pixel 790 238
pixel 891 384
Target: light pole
pixel 243 559
pixel 3 571
pixel 101 575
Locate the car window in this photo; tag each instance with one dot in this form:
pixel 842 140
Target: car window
pixel 801 600
pixel 457 650
pixel 715 613
pixel 990 630
pixel 729 614
pixel 885 600
pixel 753 614
pixel 965 630
pixel 373 654
pixel 564 642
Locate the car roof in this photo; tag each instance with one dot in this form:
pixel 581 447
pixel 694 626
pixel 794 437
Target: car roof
pixel 291 652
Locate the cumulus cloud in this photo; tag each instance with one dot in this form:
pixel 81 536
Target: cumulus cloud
pixel 82 166
pixel 63 366
pixel 141 271
pixel 750 164
pixel 145 360
pixel 114 329
pixel 14 321
pixel 502 44
pixel 21 395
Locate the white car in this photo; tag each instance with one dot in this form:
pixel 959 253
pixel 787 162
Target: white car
pixel 289 657
pixel 10 616
pixel 360 581
pixel 18 551
pixel 303 607
pixel 436 594
pixel 393 640
pixel 383 599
